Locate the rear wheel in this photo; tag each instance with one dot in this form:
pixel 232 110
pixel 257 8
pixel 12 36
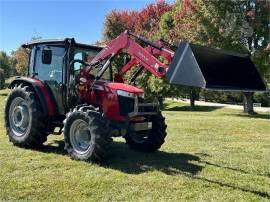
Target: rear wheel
pixel 24 119
pixel 87 134
pixel 151 140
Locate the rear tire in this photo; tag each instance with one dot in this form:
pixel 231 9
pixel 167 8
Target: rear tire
pixel 87 134
pixel 24 120
pixel 152 140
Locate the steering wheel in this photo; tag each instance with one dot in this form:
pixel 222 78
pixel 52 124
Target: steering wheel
pixel 75 77
pixel 80 61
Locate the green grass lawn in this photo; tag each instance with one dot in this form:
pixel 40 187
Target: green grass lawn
pixel 211 154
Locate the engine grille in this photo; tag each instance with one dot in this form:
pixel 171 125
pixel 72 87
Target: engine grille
pixel 126 106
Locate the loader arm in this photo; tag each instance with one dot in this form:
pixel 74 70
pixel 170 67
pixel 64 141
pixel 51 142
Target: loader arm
pixel 146 57
pixel 163 52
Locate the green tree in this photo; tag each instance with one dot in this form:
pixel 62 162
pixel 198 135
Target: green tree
pixel 240 26
pixel 4 63
pixel 2 78
pixel 12 61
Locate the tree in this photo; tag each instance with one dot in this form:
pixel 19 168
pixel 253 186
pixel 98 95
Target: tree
pixel 2 78
pixel 147 22
pixel 12 61
pixel 241 26
pixel 21 56
pixel 144 22
pixel 256 37
pixel 117 22
pixel 4 63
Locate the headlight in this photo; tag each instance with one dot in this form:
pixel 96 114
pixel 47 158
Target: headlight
pixel 129 94
pixel 125 94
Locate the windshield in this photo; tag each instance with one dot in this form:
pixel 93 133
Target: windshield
pixel 86 55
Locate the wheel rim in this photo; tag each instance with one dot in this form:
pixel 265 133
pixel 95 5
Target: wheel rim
pixel 19 116
pixel 140 136
pixel 80 136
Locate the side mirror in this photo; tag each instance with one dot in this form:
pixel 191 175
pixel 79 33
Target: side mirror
pixel 46 56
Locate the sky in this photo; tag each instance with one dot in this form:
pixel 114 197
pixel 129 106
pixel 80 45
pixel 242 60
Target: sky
pixel 20 20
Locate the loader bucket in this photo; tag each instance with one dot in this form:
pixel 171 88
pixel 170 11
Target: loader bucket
pixel 209 68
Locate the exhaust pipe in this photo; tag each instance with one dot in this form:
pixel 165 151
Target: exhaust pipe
pixel 209 68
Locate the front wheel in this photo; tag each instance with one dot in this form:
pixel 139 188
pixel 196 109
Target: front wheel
pixel 87 134
pixel 150 140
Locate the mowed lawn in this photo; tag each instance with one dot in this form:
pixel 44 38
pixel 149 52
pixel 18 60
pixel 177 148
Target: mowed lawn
pixel 211 154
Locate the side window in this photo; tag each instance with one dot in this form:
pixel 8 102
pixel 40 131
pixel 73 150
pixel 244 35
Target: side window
pixel 50 72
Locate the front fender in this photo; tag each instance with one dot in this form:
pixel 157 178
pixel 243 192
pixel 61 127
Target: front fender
pixel 42 92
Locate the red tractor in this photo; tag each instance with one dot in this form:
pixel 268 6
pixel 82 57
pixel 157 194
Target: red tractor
pixel 73 87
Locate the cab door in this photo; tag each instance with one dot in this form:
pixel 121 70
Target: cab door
pixel 52 74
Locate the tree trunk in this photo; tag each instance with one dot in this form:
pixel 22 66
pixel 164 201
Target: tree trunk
pixel 248 102
pixel 192 98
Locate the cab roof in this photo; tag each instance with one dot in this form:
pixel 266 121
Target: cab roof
pixel 61 41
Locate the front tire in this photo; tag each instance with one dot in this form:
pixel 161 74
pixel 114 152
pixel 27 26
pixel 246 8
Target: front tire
pixel 24 120
pixel 148 141
pixel 87 134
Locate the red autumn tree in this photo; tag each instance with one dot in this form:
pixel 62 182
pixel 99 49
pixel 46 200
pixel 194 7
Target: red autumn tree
pixel 117 22
pixel 144 22
pixel 148 19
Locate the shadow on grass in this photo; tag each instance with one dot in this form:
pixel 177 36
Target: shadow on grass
pixel 224 184
pixel 3 94
pixel 129 161
pixel 167 107
pixel 234 169
pixel 56 147
pixel 132 162
pixel 121 158
pixel 258 116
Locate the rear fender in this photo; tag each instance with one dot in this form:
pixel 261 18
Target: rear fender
pixel 47 104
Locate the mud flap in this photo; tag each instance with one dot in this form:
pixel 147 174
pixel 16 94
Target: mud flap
pixel 209 68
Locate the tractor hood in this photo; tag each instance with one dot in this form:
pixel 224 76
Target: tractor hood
pixel 124 87
pixel 214 69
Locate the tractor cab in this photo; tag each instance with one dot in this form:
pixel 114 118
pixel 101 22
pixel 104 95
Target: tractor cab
pixel 50 63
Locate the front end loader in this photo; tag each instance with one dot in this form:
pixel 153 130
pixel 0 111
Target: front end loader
pixel 72 88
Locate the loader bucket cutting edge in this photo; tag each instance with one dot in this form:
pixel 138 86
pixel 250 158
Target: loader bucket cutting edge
pixel 210 68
